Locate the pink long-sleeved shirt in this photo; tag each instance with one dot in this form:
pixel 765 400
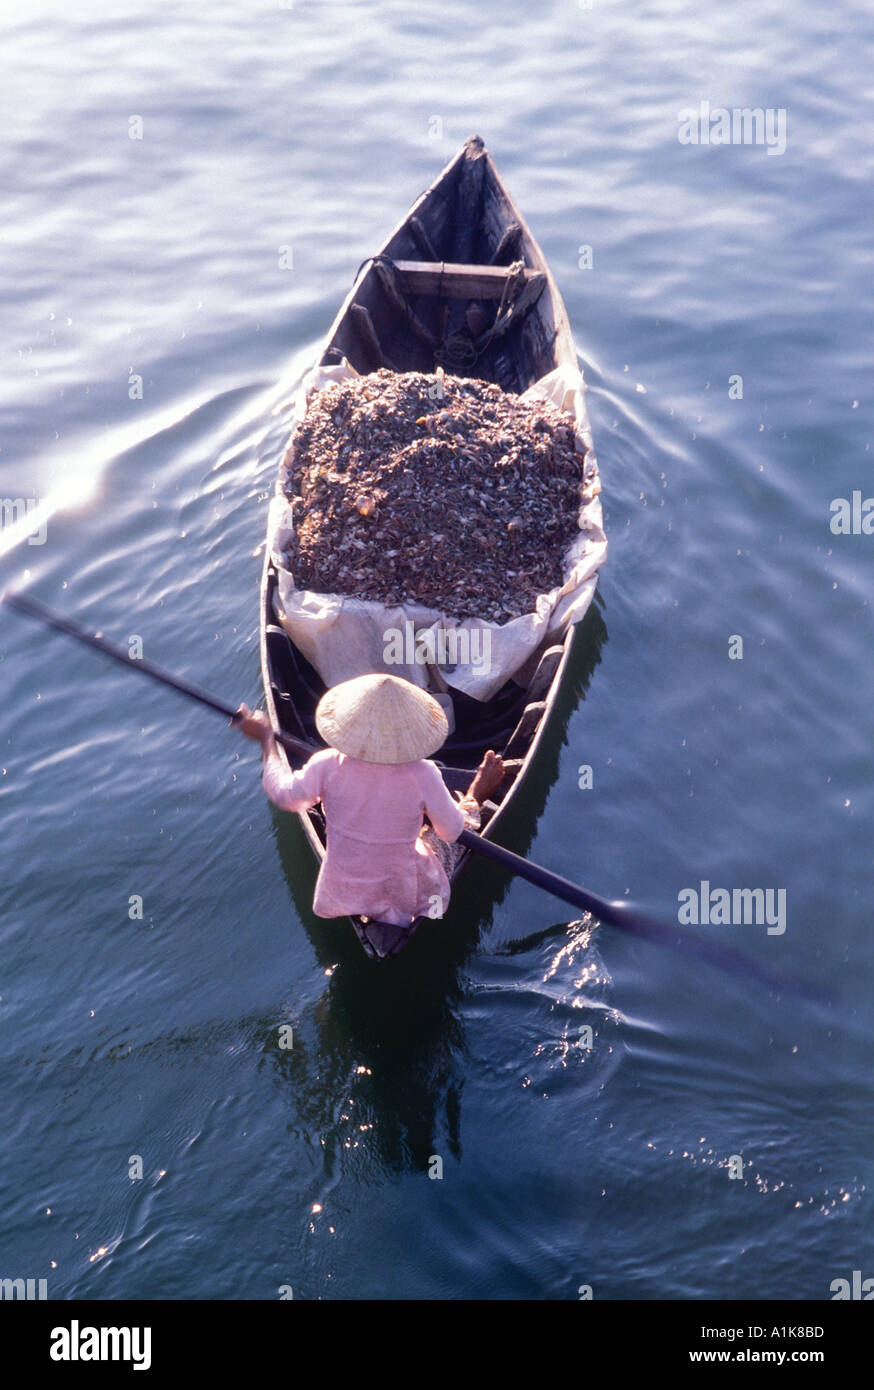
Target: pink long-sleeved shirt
pixel 376 864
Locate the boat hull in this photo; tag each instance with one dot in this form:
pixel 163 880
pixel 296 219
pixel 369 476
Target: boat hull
pixel 462 243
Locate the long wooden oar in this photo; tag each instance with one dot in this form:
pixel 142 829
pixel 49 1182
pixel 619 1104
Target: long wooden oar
pixel 616 914
pixel 32 608
pixel 624 915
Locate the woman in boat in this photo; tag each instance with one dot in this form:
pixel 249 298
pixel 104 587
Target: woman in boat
pixel 375 783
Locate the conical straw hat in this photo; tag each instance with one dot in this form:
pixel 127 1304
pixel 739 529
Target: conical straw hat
pixel 381 719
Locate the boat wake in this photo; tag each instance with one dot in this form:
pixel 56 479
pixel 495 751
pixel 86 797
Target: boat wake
pixel 89 465
pixel 521 945
pixel 558 980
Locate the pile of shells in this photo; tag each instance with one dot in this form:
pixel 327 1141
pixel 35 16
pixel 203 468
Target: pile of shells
pixel 443 491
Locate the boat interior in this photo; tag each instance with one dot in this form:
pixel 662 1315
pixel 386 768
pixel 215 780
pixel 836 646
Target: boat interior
pixel 507 723
pixel 460 284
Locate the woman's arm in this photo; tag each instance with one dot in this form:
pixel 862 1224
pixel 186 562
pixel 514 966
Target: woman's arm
pixel 290 791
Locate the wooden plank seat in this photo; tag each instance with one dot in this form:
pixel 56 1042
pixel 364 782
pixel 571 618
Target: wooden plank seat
pixel 462 281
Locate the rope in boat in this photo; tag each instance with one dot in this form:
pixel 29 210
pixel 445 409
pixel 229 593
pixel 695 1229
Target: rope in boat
pixel 458 350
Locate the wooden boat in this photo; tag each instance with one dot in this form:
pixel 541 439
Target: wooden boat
pixel 461 282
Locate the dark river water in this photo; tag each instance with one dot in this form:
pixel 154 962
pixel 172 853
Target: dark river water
pixel 725 327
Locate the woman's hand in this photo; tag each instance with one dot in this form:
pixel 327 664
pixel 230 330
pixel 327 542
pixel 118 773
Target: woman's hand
pixel 488 777
pixel 254 724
